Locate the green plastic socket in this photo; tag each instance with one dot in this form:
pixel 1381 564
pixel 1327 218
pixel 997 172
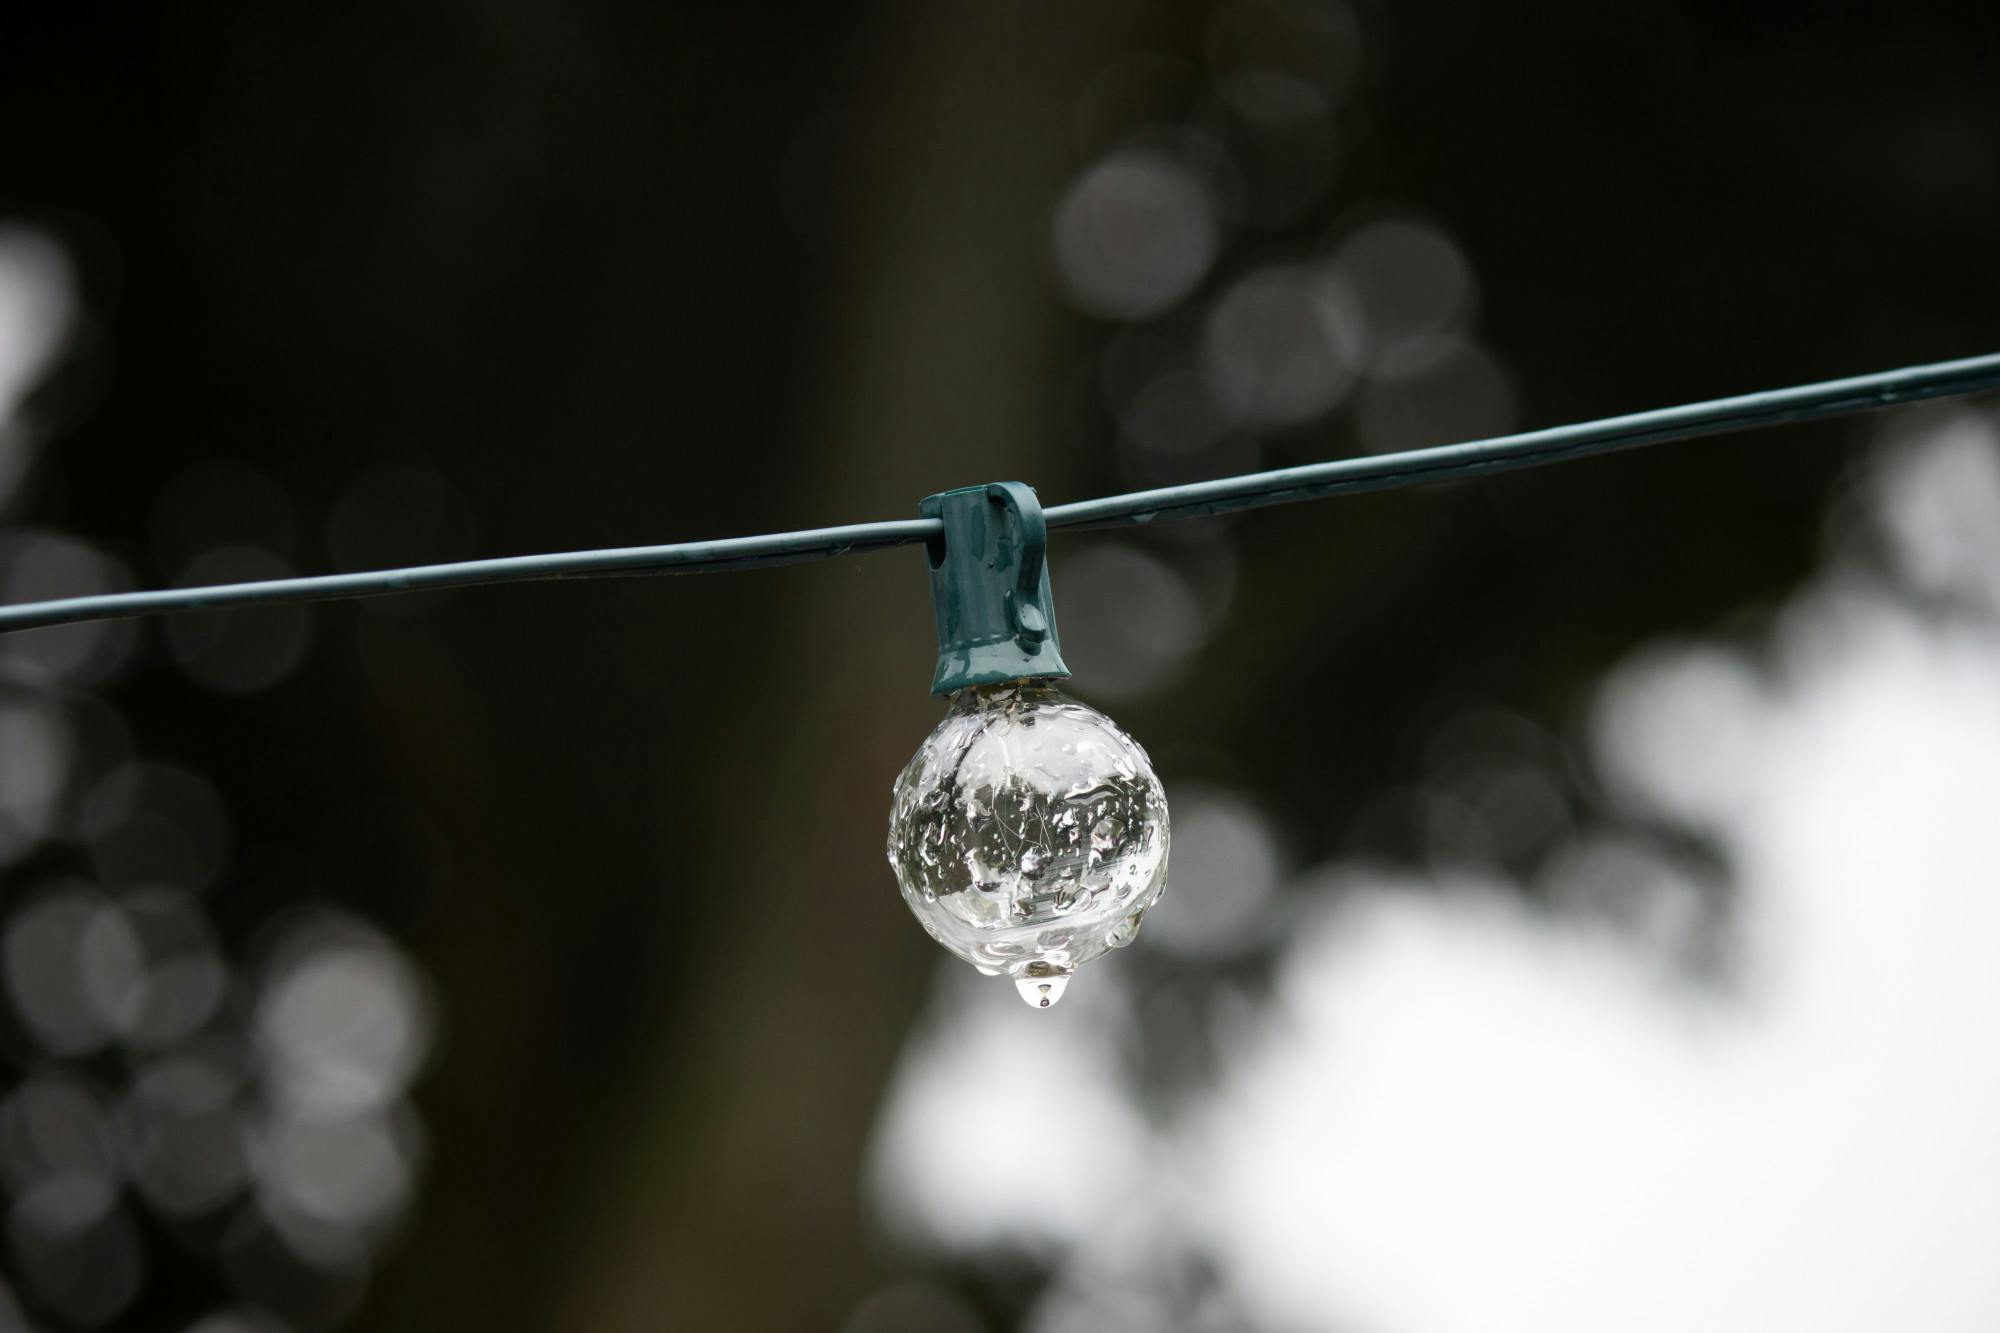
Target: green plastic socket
pixel 990 587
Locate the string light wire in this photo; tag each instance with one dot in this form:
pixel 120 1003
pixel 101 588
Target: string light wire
pixel 1831 398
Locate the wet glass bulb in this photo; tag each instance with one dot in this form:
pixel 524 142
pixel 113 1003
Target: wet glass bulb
pixel 1029 835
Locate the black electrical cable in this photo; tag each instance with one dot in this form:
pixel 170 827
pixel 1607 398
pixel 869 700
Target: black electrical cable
pixel 1832 398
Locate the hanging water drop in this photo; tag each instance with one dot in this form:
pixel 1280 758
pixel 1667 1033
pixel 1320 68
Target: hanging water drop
pixel 1042 992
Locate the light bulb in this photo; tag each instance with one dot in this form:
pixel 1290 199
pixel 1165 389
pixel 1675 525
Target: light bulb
pixel 1029 834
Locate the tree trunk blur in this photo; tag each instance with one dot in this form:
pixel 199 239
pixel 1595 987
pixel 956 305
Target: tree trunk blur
pixel 728 1198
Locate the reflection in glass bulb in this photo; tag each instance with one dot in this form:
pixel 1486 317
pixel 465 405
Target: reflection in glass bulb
pixel 1029 835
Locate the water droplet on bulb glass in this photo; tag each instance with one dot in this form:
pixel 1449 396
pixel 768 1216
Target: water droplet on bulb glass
pixel 982 821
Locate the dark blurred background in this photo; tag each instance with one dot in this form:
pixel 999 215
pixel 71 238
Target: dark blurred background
pixel 525 958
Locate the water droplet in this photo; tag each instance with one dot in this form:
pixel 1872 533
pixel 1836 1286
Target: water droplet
pixel 1105 835
pixel 1041 992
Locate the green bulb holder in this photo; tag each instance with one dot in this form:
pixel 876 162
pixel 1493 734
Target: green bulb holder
pixel 990 587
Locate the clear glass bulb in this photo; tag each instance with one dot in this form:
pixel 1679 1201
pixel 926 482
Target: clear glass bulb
pixel 1029 835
